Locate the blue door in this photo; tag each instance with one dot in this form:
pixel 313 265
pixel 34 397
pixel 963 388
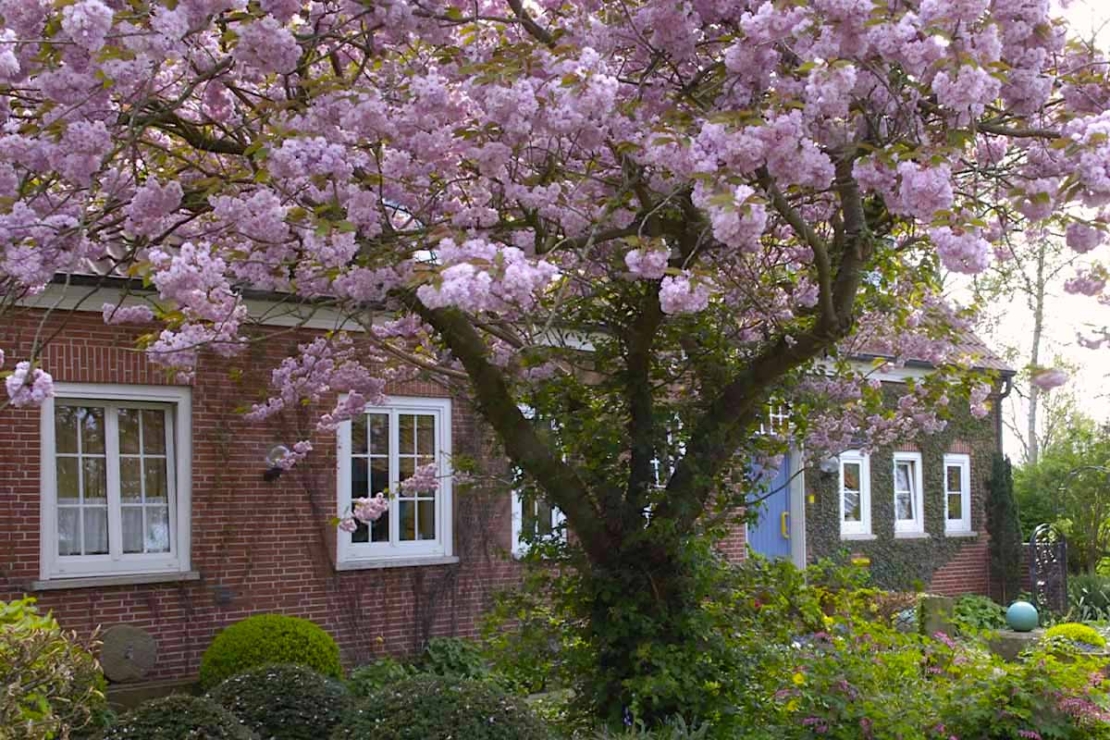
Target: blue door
pixel 770 534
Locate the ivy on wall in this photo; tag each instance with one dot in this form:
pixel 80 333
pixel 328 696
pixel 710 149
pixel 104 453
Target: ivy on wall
pixel 900 563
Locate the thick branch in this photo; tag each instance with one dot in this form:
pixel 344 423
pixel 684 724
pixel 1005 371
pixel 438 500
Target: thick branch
pixel 640 342
pixel 721 429
pixel 524 447
pixel 537 31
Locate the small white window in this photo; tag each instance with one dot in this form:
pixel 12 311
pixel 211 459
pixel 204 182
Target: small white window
pixel 909 515
pixel 855 494
pixel 376 452
pixel 115 480
pixel 534 519
pixel 957 493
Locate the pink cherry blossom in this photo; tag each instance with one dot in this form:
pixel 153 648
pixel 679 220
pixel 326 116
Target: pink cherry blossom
pixel 27 387
pixel 1047 379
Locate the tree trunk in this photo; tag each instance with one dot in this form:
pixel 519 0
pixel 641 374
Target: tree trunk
pixel 1037 300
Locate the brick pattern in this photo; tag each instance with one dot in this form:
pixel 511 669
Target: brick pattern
pixel 967 573
pixel 269 547
pixel 259 547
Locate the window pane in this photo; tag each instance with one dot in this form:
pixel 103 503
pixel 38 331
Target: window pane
pixel 132 529
pixel 955 477
pixel 68 480
pixel 955 506
pixel 408 520
pixel 851 475
pixel 407 467
pixel 157 529
pixel 852 511
pixel 96 484
pixel 130 480
pixel 154 474
pixel 154 431
pixel 96 530
pixel 426 518
pixel 407 428
pixel 902 476
pixel 379 434
pixel 359 481
pixel 379 530
pixel 129 431
pixel 903 506
pixel 379 475
pixel 65 428
pixel 544 517
pixel 92 430
pixel 426 434
pixel 358 435
pixel 69 530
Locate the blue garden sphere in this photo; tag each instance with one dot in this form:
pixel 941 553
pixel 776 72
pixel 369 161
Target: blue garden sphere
pixel 1022 616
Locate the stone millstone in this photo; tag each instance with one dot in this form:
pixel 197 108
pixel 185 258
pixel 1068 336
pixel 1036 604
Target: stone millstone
pixel 127 653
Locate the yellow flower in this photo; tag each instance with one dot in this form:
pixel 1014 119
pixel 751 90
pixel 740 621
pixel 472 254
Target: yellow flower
pixel 798 678
pixel 792 705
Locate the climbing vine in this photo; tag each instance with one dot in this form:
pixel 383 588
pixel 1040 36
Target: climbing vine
pixel 906 563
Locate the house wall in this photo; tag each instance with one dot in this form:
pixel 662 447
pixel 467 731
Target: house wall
pixel 258 546
pixel 939 562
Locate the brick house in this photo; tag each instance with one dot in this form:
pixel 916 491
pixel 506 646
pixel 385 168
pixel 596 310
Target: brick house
pixel 130 499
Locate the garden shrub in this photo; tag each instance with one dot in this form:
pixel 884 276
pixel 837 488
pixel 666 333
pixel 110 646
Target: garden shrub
pixel 50 683
pixel 972 614
pixel 269 638
pixel 1042 696
pixel 178 717
pixel 1089 597
pixel 285 701
pixel 454 656
pixel 437 708
pixel 367 679
pixel 1079 633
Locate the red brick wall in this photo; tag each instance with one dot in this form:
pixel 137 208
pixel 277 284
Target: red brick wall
pixel 258 546
pixel 967 573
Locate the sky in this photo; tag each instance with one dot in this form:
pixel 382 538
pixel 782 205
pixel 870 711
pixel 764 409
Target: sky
pixel 1067 314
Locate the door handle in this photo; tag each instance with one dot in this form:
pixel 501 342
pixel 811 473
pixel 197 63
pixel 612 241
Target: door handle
pixel 783 525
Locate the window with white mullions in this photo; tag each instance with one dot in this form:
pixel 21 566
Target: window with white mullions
pixel 957 493
pixel 855 494
pixel 111 486
pixel 534 518
pixel 909 516
pixel 378 451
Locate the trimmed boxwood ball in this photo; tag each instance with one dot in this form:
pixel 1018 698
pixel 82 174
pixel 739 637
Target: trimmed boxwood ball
pixel 284 701
pixel 1076 632
pixel 269 638
pixel 439 708
pixel 178 717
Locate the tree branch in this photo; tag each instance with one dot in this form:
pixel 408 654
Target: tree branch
pixel 491 392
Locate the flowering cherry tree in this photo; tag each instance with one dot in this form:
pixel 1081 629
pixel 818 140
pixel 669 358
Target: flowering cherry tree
pixel 648 219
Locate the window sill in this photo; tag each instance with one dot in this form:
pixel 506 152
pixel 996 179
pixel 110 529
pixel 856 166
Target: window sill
pixel 961 533
pixel 396 562
pixel 129 579
pixel 858 537
pixel 911 535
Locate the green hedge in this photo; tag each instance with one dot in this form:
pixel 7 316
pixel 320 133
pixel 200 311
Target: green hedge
pixel 437 708
pixel 179 717
pixel 266 639
pixel 284 701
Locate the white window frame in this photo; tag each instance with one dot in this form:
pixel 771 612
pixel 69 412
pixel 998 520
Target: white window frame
pixel 963 462
pixel 369 553
pixel 520 545
pixel 179 456
pixel 863 526
pixel 917 524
